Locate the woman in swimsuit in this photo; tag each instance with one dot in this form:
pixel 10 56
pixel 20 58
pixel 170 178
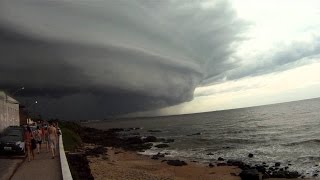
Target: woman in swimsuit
pixel 28 136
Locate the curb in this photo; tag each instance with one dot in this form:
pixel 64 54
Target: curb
pixel 66 174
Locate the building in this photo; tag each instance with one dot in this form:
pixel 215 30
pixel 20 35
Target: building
pixel 9 111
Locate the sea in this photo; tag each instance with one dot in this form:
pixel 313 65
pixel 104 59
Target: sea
pixel 288 133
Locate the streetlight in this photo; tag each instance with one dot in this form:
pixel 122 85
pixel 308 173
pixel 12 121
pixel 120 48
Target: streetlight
pixel 22 88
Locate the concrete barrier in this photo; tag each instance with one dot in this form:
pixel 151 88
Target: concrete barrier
pixel 66 174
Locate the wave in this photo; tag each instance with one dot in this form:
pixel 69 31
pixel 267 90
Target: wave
pixel 304 142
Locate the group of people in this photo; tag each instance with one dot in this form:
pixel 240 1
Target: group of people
pixel 43 134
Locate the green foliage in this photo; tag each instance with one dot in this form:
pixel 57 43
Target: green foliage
pixel 70 135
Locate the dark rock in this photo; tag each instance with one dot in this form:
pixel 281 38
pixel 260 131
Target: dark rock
pixel 150 139
pixel 134 140
pixel 211 165
pixel 176 163
pixel 96 151
pixel 210 153
pixel 220 159
pixel 285 174
pixel 289 164
pixel 250 155
pixel 261 168
pixel 157 156
pixel 250 174
pixel 277 164
pixel 315 175
pixel 235 163
pixel 168 141
pixel 164 160
pixel 264 163
pixel 222 164
pixel 162 145
pixel 153 131
pixel 226 147
pixel 195 134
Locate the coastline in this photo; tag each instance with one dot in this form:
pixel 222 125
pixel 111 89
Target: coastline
pixel 120 164
pixel 109 155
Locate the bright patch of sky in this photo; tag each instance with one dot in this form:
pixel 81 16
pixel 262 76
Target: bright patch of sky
pixel 278 29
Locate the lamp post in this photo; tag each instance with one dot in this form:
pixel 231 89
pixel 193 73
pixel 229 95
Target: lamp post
pixel 22 88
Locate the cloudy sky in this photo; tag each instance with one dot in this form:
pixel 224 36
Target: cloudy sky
pixel 85 59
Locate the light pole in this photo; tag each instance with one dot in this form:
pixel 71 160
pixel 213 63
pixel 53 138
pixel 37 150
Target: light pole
pixel 22 88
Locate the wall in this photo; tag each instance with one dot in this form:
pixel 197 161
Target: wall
pixel 9 112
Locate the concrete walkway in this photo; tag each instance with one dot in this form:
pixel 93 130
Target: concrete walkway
pixel 42 167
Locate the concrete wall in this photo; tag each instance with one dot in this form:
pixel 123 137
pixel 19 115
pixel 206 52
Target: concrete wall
pixel 9 112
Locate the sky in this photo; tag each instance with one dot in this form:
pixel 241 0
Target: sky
pixel 95 59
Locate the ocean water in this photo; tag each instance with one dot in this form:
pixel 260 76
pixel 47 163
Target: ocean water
pixel 285 133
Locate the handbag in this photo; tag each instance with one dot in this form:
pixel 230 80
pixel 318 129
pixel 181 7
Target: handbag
pixel 33 144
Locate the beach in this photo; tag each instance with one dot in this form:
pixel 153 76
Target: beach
pixel 119 164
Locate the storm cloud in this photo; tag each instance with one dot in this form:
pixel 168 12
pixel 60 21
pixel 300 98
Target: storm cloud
pixel 90 59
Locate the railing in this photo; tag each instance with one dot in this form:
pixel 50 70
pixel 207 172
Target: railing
pixel 66 174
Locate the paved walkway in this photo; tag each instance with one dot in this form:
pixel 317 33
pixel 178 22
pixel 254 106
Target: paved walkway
pixel 7 166
pixel 42 167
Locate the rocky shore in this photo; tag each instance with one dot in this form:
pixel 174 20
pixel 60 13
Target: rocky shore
pixel 124 146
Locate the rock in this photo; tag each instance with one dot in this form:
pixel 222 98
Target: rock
pixel 176 163
pixel 157 156
pixel 222 164
pixel 250 155
pixel 260 168
pixel 315 175
pixel 211 165
pixel 168 141
pixel 154 131
pixel 235 163
pixel 210 154
pixel 285 174
pixel 250 174
pixel 220 159
pixel 195 134
pixel 134 140
pixel 150 139
pixel 96 151
pixel 277 164
pixel 162 145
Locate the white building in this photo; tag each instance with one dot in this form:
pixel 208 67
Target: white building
pixel 9 111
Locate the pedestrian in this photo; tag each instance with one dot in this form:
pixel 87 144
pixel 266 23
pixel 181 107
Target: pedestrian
pixel 45 139
pixel 38 138
pixel 28 138
pixel 53 136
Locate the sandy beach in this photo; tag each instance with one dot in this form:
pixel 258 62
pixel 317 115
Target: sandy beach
pixel 120 165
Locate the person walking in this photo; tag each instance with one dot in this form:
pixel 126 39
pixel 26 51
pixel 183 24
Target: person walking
pixel 28 137
pixel 53 137
pixel 38 138
pixel 45 139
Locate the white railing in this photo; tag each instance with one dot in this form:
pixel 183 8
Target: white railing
pixel 66 174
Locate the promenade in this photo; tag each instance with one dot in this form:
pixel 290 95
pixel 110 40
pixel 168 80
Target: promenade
pixel 42 167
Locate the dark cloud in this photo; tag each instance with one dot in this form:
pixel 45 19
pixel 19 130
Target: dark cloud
pixel 92 59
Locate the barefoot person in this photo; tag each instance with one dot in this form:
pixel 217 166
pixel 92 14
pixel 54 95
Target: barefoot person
pixel 28 136
pixel 53 137
pixel 38 138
